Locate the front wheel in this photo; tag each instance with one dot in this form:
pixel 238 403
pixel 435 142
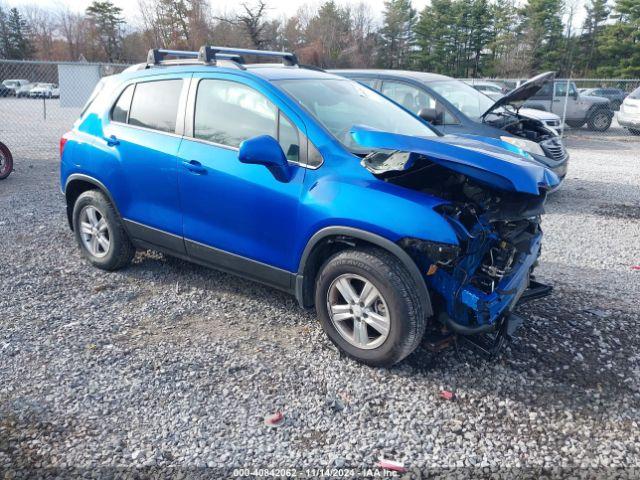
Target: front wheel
pixel 99 232
pixel 599 121
pixel 368 305
pixel 6 161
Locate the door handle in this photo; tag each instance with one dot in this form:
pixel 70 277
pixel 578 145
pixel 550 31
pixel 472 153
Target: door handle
pixel 112 141
pixel 194 166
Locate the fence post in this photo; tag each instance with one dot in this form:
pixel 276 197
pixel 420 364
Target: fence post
pixel 44 107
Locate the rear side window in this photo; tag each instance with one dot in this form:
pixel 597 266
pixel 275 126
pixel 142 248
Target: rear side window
pixel 155 105
pixel 120 111
pixel 229 113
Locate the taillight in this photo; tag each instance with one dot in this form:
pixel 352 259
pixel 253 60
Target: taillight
pixel 63 142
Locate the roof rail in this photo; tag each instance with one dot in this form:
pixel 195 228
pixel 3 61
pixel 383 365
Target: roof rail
pixel 209 54
pixel 158 56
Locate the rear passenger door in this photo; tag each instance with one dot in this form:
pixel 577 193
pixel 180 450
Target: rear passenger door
pixel 144 134
pixel 238 216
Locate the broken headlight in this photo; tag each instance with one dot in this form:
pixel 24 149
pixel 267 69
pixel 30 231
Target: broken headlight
pixel 440 253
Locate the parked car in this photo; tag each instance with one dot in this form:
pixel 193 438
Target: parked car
pixel 310 183
pixel 14 83
pixel 5 91
pixel 580 109
pixel 629 114
pixel 456 108
pixel 490 89
pixel 615 95
pixel 46 90
pixel 24 90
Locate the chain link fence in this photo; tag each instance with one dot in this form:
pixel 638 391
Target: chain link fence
pixel 39 101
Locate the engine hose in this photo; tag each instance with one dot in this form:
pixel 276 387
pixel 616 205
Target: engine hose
pixel 463 329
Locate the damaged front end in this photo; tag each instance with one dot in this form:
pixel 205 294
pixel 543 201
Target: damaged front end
pixel 493 200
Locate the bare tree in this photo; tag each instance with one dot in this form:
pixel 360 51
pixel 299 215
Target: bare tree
pixel 252 20
pixel 72 28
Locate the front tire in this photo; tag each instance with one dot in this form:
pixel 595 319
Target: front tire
pixel 99 232
pixel 368 305
pixel 599 121
pixel 6 161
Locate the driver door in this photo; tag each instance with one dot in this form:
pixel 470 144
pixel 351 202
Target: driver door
pixel 237 216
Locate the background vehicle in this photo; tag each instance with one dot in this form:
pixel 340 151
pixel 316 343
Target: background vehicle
pixel 310 183
pixel 6 161
pixel 615 95
pixel 46 90
pixel 490 89
pixel 5 91
pixel 13 84
pixel 629 114
pixel 23 91
pixel 594 111
pixel 456 108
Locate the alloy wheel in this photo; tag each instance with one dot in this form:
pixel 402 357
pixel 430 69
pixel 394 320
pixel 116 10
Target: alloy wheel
pixel 94 231
pixel 358 311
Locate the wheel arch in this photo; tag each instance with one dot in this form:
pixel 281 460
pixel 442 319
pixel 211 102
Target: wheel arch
pixel 76 185
pixel 330 240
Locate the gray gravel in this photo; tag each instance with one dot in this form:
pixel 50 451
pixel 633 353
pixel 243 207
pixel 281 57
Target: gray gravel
pixel 167 364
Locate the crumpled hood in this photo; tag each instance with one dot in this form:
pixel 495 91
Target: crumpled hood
pixel 481 161
pixel 518 96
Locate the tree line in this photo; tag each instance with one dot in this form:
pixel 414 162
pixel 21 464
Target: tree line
pixel 462 38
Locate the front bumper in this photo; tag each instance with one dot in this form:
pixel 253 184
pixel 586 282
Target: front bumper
pixel 629 120
pixel 470 309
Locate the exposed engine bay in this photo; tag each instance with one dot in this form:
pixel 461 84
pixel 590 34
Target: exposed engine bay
pixel 499 234
pixel 520 126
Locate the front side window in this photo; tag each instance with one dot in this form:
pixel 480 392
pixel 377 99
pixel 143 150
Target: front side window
pixel 120 111
pixel 415 99
pixel 561 89
pixel 155 105
pixel 339 104
pixel 464 97
pixel 228 113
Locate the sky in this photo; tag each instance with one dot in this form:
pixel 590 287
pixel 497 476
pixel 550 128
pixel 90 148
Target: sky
pixel 278 8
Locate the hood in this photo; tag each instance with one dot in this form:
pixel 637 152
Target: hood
pixel 538 114
pixel 518 96
pixel 483 162
pixel 594 99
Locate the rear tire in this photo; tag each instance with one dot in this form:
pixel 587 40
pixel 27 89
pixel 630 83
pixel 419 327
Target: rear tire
pixel 99 232
pixel 357 325
pixel 6 161
pixel 599 121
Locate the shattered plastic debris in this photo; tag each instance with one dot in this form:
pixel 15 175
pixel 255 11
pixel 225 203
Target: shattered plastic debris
pixel 274 420
pixel 447 395
pixel 391 465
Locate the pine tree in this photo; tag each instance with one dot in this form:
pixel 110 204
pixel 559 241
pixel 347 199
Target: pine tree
pixel 4 34
pixel 620 41
pixel 544 33
pixel 16 39
pixel 597 14
pixel 105 20
pixel 396 34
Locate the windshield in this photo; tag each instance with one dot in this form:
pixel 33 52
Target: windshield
pixel 464 97
pixel 339 104
pixel 635 94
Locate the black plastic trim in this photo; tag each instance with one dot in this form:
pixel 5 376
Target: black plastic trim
pixel 153 236
pixel 93 181
pixel 364 235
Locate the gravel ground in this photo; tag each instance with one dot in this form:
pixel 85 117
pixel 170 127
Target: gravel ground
pixel 167 364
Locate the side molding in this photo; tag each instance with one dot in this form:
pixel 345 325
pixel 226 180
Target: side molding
pixel 381 242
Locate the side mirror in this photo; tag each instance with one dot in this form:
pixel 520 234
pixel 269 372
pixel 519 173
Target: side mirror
pixel 575 95
pixel 430 115
pixel 265 150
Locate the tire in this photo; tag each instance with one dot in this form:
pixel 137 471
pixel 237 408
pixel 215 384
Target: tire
pixel 575 123
pixel 599 121
pixel 120 250
pixel 6 161
pixel 397 301
pixel 633 131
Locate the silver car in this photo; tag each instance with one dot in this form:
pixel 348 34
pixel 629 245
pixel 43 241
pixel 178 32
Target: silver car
pixel 629 114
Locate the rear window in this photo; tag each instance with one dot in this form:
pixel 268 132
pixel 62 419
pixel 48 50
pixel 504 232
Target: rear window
pixel 120 112
pixel 155 105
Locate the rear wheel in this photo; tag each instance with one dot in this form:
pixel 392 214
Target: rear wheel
pixel 6 161
pixel 99 232
pixel 368 306
pixel 599 121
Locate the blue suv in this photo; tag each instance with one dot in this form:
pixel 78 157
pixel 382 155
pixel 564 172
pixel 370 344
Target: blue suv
pixel 310 183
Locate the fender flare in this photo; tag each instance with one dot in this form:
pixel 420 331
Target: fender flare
pixel 375 239
pixel 94 181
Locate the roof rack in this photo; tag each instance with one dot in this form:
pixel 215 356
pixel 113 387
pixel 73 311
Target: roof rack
pixel 158 56
pixel 209 54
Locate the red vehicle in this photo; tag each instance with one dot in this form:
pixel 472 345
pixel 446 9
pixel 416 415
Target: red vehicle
pixel 6 161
